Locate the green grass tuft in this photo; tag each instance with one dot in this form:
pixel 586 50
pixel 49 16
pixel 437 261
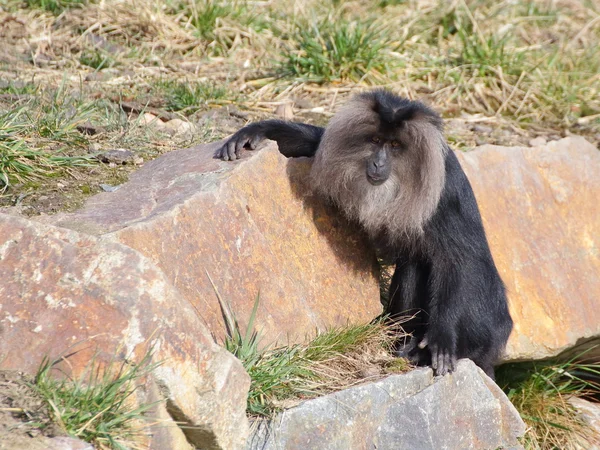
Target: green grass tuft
pixel 55 6
pixel 189 97
pixel 338 50
pixel 19 162
pixel 99 407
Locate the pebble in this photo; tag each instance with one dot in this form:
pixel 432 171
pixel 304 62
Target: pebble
pixel 178 126
pixel 285 111
pixel 116 156
pixel 109 188
pixel 479 128
pixel 537 142
pixel 150 119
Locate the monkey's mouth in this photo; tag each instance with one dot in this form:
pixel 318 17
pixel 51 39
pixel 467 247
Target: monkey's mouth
pixel 376 180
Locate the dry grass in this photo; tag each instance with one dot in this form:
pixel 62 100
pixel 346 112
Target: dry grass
pixel 500 72
pixel 541 394
pixel 336 359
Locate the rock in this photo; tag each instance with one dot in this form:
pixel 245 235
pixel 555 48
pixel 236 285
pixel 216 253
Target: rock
pixel 253 226
pixel 178 126
pixel 462 410
pixel 590 413
pixel 116 156
pixel 90 129
pixel 540 209
pixel 109 188
pixel 67 293
pixel 43 443
pixel 538 141
pixel 150 120
pixel 285 111
pixel 483 129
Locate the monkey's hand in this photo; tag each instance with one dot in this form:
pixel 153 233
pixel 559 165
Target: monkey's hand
pixel 248 138
pixel 443 352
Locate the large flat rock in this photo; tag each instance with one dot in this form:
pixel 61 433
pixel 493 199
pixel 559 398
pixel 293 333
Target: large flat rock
pixel 65 293
pixel 254 227
pixel 541 211
pixel 413 411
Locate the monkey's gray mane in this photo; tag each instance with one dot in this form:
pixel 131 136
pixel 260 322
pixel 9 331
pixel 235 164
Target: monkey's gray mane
pixel 401 206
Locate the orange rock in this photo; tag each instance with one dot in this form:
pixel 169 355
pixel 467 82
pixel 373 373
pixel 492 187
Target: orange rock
pixel 254 227
pixel 541 211
pixel 64 293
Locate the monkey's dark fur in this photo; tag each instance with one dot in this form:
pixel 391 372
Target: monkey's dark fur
pixel 384 161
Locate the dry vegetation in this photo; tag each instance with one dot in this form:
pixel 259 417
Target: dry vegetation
pixel 77 76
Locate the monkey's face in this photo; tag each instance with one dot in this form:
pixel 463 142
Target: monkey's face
pixel 379 165
pixel 386 172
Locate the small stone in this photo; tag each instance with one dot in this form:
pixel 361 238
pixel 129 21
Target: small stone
pixel 89 128
pixel 285 111
pixel 138 160
pixel 178 126
pixel 150 119
pixel 303 103
pixel 537 142
pixel 109 188
pixel 479 128
pixel 116 156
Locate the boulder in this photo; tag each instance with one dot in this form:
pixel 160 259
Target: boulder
pixel 65 293
pixel 254 227
pixel 541 212
pixel 465 409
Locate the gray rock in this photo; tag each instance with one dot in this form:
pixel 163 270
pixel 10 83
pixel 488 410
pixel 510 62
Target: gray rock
pixel 590 413
pixel 117 156
pixel 413 411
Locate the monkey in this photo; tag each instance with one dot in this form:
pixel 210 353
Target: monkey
pixel 384 162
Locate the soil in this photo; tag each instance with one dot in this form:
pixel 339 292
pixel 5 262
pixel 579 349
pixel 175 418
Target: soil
pixel 25 420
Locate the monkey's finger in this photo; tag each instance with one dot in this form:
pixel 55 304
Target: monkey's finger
pixel 253 142
pixel 434 357
pixel 453 361
pixel 423 343
pixel 447 362
pixel 441 367
pixel 220 151
pixel 231 151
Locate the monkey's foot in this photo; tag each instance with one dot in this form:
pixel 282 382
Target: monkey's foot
pixel 443 360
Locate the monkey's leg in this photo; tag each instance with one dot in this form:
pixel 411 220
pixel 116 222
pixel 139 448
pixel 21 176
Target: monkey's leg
pixel 294 139
pixel 406 305
pixel 445 312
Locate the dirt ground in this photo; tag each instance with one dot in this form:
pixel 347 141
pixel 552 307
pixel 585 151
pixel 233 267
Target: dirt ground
pixel 25 421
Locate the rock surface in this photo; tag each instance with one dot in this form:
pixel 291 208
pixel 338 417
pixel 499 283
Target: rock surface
pixel 412 411
pixel 63 292
pixel 254 228
pixel 541 212
pixel 590 413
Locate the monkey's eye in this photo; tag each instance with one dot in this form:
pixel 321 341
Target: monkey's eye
pixel 395 144
pixel 376 139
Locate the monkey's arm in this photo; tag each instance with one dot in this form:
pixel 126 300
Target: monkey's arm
pixel 455 237
pixel 294 139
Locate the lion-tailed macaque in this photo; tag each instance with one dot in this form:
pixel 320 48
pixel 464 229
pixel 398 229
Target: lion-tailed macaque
pixel 384 161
